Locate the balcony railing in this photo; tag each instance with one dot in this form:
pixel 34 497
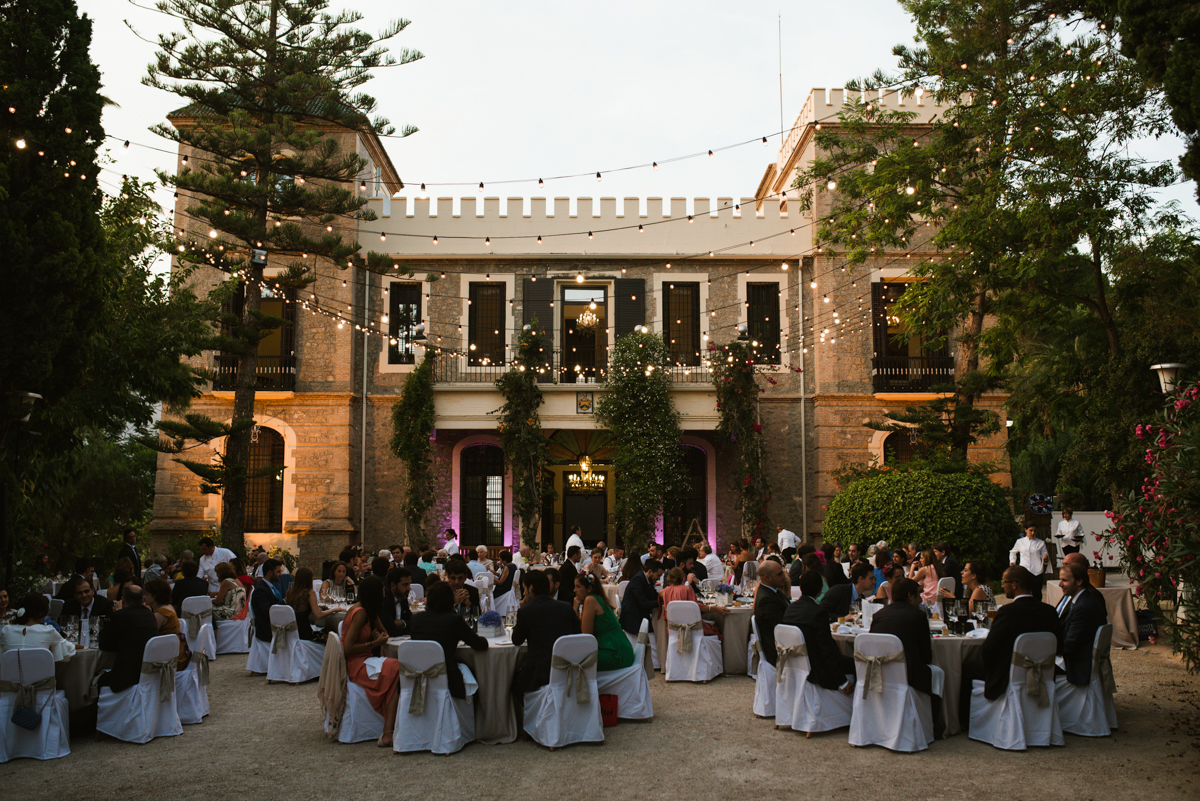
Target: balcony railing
pixel 557 370
pixel 274 373
pixel 911 373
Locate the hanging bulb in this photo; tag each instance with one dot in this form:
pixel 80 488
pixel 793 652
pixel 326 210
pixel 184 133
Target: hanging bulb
pixel 579 278
pixel 654 165
pixel 784 266
pixel 541 182
pixel 362 186
pixel 826 298
pixel 764 141
pixel 185 159
pixel 422 190
pixel 812 285
pixel 21 144
pixel 487 240
pixel 435 239
pixel 212 233
pixel 539 239
pixel 710 154
pixel 126 145
pixel 589 234
pixel 690 218
pixel 481 186
pixel 832 185
pixel 329 228
pixel 909 190
pixel 383 237
pixel 385 319
pixel 443 273
pixel 598 178
pixel 640 229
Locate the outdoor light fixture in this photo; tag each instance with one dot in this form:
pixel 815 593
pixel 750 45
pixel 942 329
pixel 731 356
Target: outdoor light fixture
pixel 1168 373
pixel 743 333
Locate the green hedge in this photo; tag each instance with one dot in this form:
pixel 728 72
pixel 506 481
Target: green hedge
pixel 968 512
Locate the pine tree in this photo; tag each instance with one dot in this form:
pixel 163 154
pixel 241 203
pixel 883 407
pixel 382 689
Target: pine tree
pixel 267 87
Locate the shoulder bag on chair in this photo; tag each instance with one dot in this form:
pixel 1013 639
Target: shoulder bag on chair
pixel 23 716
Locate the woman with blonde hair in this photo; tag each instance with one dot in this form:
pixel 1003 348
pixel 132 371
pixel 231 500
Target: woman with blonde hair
pixel 927 576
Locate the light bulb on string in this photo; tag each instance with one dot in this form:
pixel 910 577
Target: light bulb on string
pixel 481 186
pixel 541 182
pixel 598 178
pixel 20 144
pixel 710 154
pixel 832 185
pixel 654 165
pixel 826 298
pixel 579 278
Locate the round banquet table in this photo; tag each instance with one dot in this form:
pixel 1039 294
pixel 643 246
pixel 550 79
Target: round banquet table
pixel 735 636
pixel 1119 603
pixel 494 669
pixel 949 653
pixel 614 598
pixel 77 676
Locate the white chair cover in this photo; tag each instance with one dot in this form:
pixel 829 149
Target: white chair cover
pixel 484 582
pixel 564 712
pixel 233 636
pixel 445 724
pixel 621 585
pixel 764 676
pixel 203 639
pixel 291 659
pixel 799 703
pixel 895 716
pixel 56 607
pixel 260 655
pixel 191 685
pixel 1016 719
pixel 749 575
pixel 415 593
pixel 140 713
pixel 651 652
pixel 704 661
pixel 360 721
pixel 50 739
pixel 631 685
pixel 795 593
pixel 1089 711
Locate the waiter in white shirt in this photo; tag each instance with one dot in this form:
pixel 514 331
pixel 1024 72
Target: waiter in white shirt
pixel 210 557
pixel 575 539
pixel 787 541
pixel 451 546
pixel 1070 531
pixel 1030 553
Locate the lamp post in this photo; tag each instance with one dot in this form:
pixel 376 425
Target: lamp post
pixel 1168 374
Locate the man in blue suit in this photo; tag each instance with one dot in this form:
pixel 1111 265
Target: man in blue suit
pixel 1082 612
pixel 267 593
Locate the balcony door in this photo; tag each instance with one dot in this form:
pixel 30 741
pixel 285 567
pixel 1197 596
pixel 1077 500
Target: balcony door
pixel 903 363
pixel 584 329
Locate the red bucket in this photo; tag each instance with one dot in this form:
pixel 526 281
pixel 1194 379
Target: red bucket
pixel 608 710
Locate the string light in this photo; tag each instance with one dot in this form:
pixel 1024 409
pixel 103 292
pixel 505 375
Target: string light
pixel 20 144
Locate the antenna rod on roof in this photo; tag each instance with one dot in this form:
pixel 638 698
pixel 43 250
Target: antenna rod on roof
pixel 781 77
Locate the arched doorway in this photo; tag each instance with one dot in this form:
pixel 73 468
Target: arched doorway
pixel 264 494
pixel 481 495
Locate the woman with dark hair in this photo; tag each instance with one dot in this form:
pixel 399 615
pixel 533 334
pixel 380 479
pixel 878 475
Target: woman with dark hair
pixel 975 585
pixel 158 598
pixel 812 561
pixel 231 595
pixel 29 630
pixel 505 575
pixel 834 574
pixel 337 583
pixel 881 560
pixel 597 618
pixel 362 632
pixel 303 599
pixel 442 625
pixel 676 589
pixel 633 565
pixel 883 590
pixel 120 580
pixel 927 576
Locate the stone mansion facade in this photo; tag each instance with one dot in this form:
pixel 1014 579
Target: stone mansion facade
pixel 588 272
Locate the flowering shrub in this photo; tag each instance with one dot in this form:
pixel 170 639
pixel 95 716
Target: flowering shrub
pixel 1156 529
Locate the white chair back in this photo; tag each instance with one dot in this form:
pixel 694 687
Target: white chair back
pixel 750 571
pixel 639 648
pixel 621 585
pixel 56 607
pixel 35 664
pixel 683 612
pixel 159 649
pixel 484 581
pixel 1101 646
pixel 422 655
pixel 282 614
pixel 1037 646
pixel 197 603
pixel 790 637
pixel 574 648
pixel 416 593
pixel 795 593
pixel 881 645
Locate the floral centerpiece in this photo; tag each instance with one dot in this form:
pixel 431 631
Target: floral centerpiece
pixel 490 624
pixel 725 593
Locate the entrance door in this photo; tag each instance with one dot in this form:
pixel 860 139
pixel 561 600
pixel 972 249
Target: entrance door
pixel 590 513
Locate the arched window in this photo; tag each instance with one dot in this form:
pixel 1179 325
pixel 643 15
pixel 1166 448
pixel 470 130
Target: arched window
pixel 902 447
pixel 481 510
pixel 264 494
pixel 692 503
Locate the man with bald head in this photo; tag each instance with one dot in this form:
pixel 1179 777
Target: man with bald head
pixel 770 602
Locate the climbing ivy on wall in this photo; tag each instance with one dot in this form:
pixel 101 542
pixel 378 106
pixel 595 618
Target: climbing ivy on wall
pixel 412 429
pixel 733 375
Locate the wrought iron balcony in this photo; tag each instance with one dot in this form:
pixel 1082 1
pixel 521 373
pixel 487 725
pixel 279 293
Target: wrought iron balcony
pixel 274 373
pixel 571 369
pixel 911 373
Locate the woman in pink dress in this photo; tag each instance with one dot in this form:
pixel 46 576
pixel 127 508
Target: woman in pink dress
pixel 677 590
pixel 362 632
pixel 927 576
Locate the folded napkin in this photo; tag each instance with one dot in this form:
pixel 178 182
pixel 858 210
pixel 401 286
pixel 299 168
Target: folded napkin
pixel 978 634
pixel 374 665
pixel 844 629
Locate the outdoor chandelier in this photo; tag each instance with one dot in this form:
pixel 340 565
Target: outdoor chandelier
pixel 586 322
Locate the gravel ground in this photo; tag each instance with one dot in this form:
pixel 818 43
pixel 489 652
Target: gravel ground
pixel 265 742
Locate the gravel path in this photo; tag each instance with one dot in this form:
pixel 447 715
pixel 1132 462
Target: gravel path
pixel 265 742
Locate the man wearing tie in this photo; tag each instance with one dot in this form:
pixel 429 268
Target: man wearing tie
pixel 129 549
pixel 86 605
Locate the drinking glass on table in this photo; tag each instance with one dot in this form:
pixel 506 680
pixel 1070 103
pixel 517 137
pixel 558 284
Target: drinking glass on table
pixel 991 612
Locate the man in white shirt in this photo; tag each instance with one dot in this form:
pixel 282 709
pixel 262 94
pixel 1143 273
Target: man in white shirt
pixel 615 560
pixel 787 541
pixel 1030 553
pixel 575 539
pixel 1070 531
pixel 210 557
pixel 521 557
pixel 711 562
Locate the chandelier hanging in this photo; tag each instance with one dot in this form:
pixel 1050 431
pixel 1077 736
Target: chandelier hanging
pixel 587 322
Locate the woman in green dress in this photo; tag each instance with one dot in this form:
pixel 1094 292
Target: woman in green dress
pixel 597 618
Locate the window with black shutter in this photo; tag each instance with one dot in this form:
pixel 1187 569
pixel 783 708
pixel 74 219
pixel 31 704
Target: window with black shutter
pixel 485 324
pixel 404 312
pixel 276 350
pixel 903 362
pixel 482 496
pixel 681 322
pixel 762 321
pixel 629 297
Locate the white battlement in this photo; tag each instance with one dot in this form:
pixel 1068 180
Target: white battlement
pixel 726 227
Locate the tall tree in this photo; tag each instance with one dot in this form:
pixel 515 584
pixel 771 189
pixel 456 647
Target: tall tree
pixel 1023 187
pixel 269 83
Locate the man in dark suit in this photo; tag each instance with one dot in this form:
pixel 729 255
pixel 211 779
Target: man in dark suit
pixel 828 667
pixel 903 618
pixel 837 600
pixel 540 621
pixel 567 574
pixel 129 549
pixel 641 599
pixel 1082 612
pixel 797 565
pixel 266 594
pixel 689 560
pixel 190 586
pixel 85 603
pixel 466 594
pixel 770 604
pixel 953 569
pixel 1026 614
pixel 410 562
pixel 395 614
pixel 83 569
pixel 128 630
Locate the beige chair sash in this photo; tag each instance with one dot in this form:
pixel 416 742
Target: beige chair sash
pixel 279 635
pixel 416 704
pixel 683 643
pixel 755 657
pixel 200 660
pixel 195 620
pixel 1034 684
pixel 166 677
pixel 576 675
pixel 874 682
pixel 1103 665
pixel 27 693
pixel 644 637
pixel 782 655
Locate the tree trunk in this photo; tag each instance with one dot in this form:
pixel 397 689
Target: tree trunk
pixel 967 362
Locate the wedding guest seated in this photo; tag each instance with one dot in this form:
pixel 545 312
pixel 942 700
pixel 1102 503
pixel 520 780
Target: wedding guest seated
pixel 975 585
pixel 231 595
pixel 428 562
pixel 83 569
pixel 540 621
pixel 266 594
pixel 339 580
pixel 122 578
pixel 441 624
pixel 85 603
pixel 552 575
pixel 1082 613
pixel 395 614
pixel 677 590
pixel 880 560
pixel 362 633
pixel 770 604
pixel 694 570
pixel 132 626
pixel 466 595
pixel 634 564
pixel 1026 614
pixel 596 566
pixel 927 575
pixel 891 572
pixel 412 563
pixel 156 570
pixel 950 566
pixel 828 667
pixel 29 630
pixel 640 601
pixel 550 557
pixel 303 600
pixel 158 600
pixel 713 567
pixel 614 561
pixel 797 566
pixel 190 586
pixel 239 572
pixel 903 617
pixel 838 600
pixel 568 570
pixel 476 565
pixel 380 565
pixel 597 618
pixel 834 574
